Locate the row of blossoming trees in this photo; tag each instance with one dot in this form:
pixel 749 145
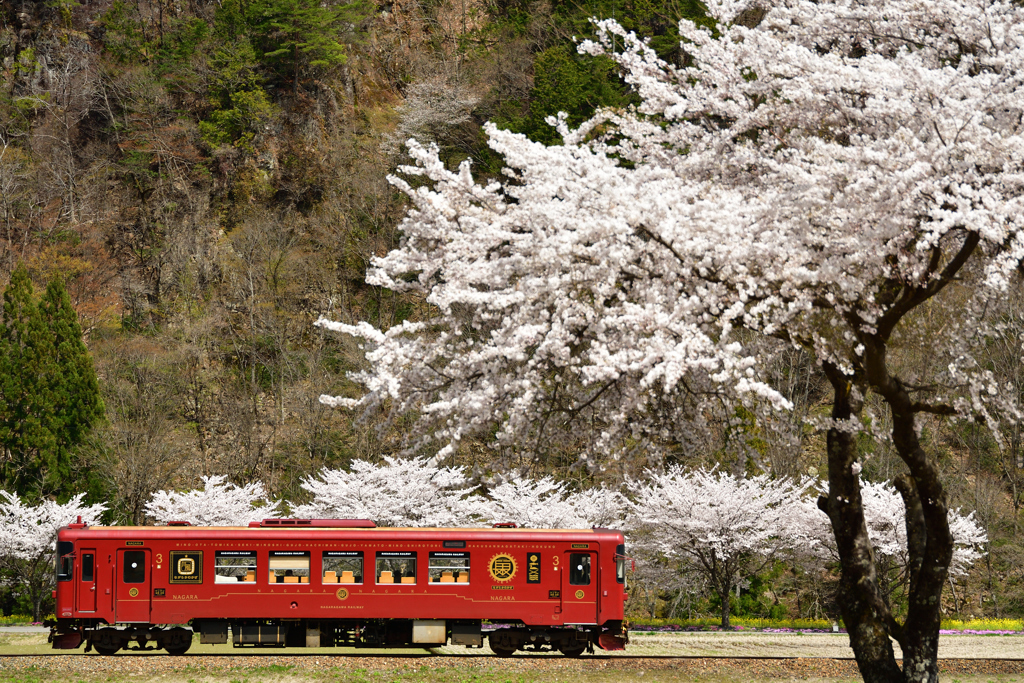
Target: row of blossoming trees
pixel 690 530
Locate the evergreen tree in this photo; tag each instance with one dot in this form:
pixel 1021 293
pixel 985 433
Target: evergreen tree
pixel 75 388
pixel 297 34
pixel 49 393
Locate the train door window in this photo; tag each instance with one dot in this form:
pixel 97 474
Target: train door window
pixel 396 566
pixel 88 566
pixel 65 561
pixel 234 566
pixel 620 563
pixel 343 566
pixel 135 566
pixel 579 569
pixel 289 566
pixel 449 567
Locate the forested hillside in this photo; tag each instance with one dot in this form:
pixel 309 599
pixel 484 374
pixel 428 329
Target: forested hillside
pixel 205 180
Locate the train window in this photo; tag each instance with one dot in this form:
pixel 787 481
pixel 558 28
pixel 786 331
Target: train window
pixel 396 566
pixel 620 563
pixel 134 566
pixel 65 562
pixel 449 567
pixel 87 566
pixel 579 569
pixel 233 566
pixel 343 566
pixel 289 566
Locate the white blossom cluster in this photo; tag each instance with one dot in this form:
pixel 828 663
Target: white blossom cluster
pixel 885 515
pixel 418 492
pixel 705 513
pixel 218 503
pixel 28 532
pixel 785 181
pixel 400 492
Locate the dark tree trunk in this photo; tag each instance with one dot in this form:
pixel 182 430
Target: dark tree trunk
pixel 865 614
pixel 724 595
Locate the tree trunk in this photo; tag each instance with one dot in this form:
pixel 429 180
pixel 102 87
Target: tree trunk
pixel 866 616
pixel 929 543
pixel 724 595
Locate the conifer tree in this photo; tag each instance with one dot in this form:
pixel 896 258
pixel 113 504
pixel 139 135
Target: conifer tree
pixel 49 394
pixel 297 34
pixel 74 386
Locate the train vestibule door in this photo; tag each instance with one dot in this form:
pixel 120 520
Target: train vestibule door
pixel 579 588
pixel 87 580
pixel 133 578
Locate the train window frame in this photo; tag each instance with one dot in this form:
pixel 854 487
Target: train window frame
pixel 620 564
pixel 337 562
pixel 134 573
pixel 397 564
pixel 235 573
pixel 65 561
pixel 286 561
pixel 455 563
pixel 579 569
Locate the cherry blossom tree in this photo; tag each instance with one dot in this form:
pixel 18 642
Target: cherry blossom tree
pixel 843 176
pixel 399 492
pixel 547 504
pixel 218 503
pixel 729 528
pixel 885 517
pixel 28 535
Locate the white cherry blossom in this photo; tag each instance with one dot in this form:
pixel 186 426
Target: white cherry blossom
pixel 218 503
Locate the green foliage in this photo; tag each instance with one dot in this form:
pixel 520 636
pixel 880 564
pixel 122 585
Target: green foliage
pixel 564 81
pixel 250 112
pixel 49 393
pixel 125 36
pixel 296 35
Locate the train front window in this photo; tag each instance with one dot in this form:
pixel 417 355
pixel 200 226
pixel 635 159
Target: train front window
pixel 134 566
pixel 289 566
pixel 579 569
pixel 620 563
pixel 343 566
pixel 396 566
pixel 65 561
pixel 233 566
pixel 449 567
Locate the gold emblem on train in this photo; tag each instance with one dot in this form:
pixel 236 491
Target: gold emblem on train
pixel 133 592
pixel 342 594
pixel 502 567
pixel 186 566
pixel 579 595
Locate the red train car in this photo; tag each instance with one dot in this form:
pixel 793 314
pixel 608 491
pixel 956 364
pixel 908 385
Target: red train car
pixel 323 583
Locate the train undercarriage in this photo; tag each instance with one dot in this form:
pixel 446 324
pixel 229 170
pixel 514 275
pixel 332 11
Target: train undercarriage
pixel 504 639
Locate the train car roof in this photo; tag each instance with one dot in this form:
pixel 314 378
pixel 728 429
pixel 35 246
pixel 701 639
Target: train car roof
pixel 306 532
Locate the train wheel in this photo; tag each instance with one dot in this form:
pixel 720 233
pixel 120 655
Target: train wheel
pixel 502 644
pixel 572 651
pixel 104 650
pixel 177 651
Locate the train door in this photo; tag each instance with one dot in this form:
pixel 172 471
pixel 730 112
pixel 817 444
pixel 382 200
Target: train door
pixel 87 580
pixel 132 576
pixel 579 588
